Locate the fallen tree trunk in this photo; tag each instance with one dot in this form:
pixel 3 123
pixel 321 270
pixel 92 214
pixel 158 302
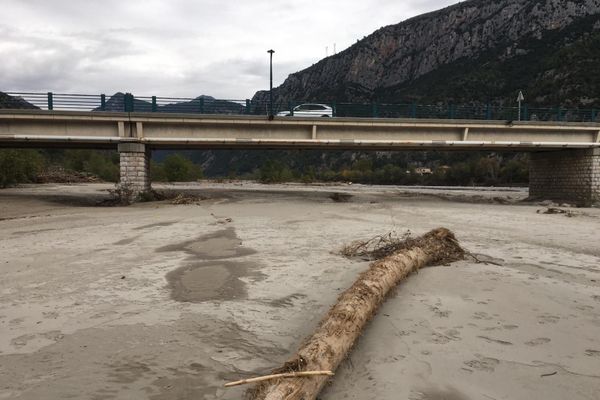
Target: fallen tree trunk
pixel 339 329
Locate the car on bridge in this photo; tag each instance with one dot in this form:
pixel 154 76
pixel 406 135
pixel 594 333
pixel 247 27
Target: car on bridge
pixel 308 110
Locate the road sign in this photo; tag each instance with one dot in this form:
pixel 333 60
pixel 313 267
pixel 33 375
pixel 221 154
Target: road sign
pixel 520 98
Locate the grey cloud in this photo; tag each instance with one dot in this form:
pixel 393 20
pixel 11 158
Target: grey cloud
pixel 178 47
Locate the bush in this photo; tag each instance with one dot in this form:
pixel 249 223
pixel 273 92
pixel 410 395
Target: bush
pixel 177 168
pixel 101 163
pixel 19 166
pixel 275 171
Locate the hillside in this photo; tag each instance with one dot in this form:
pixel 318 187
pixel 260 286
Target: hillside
pixel 476 51
pixel 7 101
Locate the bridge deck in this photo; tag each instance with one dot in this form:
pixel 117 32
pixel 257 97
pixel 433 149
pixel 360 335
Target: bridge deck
pixel 37 128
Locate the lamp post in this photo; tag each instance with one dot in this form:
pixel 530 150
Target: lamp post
pixel 271 83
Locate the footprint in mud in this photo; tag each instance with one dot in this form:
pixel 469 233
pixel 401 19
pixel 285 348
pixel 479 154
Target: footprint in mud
pixel 126 241
pixel 596 297
pixel 287 301
pixel 492 340
pixel 436 394
pixel 446 337
pixel 486 364
pixel 482 315
pixel 439 313
pixel 156 225
pixel 128 371
pixel 547 319
pixel 214 246
pixel 537 341
pixel 24 340
pixel 510 327
pixel 592 353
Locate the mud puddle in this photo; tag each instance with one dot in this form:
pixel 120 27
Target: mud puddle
pixel 215 280
pixel 215 246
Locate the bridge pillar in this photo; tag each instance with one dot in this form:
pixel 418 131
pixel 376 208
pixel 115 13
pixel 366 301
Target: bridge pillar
pixel 571 176
pixel 135 167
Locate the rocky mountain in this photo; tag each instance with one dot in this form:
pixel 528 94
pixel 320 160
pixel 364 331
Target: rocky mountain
pixel 205 104
pixel 476 51
pixel 13 102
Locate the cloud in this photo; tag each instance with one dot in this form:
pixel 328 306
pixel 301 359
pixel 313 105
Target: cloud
pixel 178 47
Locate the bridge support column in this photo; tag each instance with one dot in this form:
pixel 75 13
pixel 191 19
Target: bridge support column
pixel 571 176
pixel 135 167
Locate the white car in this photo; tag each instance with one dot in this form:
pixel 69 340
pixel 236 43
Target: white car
pixel 308 110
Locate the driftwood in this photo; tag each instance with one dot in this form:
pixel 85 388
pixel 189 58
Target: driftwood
pixel 338 330
pixel 276 376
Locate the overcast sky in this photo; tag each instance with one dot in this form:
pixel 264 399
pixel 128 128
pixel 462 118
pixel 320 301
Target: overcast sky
pixel 179 47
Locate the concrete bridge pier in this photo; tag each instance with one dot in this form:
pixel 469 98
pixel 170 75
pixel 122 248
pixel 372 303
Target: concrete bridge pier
pixel 571 176
pixel 135 167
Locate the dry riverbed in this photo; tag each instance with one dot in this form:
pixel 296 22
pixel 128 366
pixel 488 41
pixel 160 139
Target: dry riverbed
pixel 163 301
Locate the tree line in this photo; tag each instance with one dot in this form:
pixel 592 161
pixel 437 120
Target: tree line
pixel 403 168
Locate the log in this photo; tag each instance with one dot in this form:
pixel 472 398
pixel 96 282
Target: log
pixel 340 328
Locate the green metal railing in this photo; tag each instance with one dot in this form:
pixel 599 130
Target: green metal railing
pixel 127 102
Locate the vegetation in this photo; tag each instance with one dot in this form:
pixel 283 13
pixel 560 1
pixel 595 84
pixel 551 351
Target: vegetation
pixel 19 166
pixel 435 168
pixel 24 165
pixel 176 167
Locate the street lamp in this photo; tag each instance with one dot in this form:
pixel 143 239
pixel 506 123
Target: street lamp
pixel 271 84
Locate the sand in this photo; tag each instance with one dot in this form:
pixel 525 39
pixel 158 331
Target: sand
pixel 166 301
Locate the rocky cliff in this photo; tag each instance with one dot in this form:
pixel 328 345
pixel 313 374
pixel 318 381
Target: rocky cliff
pixel 474 51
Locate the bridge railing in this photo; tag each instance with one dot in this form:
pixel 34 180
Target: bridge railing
pixel 126 102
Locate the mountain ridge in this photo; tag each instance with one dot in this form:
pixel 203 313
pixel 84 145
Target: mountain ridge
pixel 384 64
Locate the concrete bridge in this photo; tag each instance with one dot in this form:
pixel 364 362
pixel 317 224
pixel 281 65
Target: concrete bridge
pixel 565 156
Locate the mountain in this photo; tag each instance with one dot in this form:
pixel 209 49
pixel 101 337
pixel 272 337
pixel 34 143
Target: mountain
pixel 204 104
pixel 13 102
pixel 474 52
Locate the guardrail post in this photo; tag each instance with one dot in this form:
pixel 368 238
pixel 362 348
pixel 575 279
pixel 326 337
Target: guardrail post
pixel 558 114
pixel 413 110
pixel 247 106
pixel 375 110
pixel 450 111
pixel 154 106
pixel 128 102
pixel 488 111
pixel 102 102
pixel 291 108
pixel 525 113
pixel 201 105
pixel 593 115
pixel 50 101
pixel 333 109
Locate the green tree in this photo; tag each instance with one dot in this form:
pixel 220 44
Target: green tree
pixel 178 168
pixel 273 171
pixel 19 166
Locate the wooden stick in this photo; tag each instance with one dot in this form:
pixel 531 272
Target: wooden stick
pixel 275 376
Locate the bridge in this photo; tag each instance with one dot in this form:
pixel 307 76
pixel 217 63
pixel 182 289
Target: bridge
pixel 565 156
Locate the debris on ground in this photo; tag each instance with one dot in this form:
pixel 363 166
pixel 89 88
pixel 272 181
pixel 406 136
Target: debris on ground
pixel 55 174
pixel 556 210
pixel 183 198
pixel 377 247
pixel 340 197
pixel 337 332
